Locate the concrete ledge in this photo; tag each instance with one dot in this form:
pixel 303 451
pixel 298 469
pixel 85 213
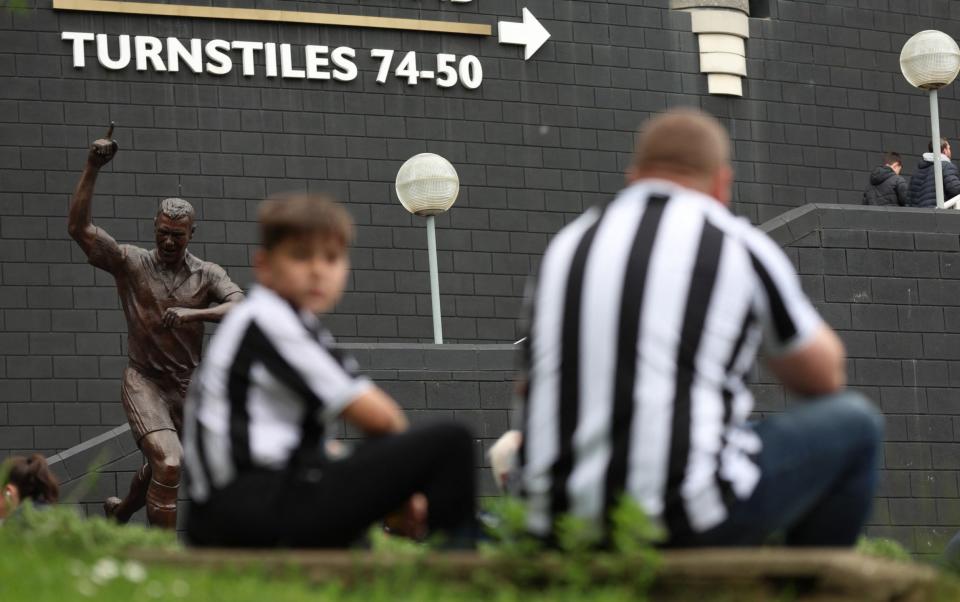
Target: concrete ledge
pixel 741 5
pixel 825 574
pixel 723 62
pixel 801 221
pixel 724 84
pixel 486 371
pixel 721 42
pixel 93 453
pixel 720 21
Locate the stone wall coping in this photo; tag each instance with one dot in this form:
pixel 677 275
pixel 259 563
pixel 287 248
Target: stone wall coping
pixel 502 347
pixel 793 225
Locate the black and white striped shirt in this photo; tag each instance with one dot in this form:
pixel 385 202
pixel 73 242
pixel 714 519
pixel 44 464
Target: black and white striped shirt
pixel 266 392
pixel 646 315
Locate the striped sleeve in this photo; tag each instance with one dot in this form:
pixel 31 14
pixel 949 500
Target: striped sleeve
pixel 789 317
pixel 326 376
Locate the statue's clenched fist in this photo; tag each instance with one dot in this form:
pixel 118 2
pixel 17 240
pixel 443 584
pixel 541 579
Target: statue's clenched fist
pixel 175 317
pixel 103 149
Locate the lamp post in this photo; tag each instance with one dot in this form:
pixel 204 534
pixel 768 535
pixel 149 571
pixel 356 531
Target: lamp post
pixel 930 60
pixel 428 185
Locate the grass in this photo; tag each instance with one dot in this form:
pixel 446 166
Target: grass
pixel 55 556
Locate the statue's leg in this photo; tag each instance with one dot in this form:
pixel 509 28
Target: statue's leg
pixel 141 402
pixel 164 454
pixel 122 510
pixel 145 401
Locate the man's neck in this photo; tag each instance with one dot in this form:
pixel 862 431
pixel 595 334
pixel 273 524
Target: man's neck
pixel 694 183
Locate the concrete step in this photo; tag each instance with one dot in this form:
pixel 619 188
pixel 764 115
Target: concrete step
pixel 814 575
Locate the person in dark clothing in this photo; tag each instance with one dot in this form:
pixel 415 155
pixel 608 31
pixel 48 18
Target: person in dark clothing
pixel 887 186
pixel 923 191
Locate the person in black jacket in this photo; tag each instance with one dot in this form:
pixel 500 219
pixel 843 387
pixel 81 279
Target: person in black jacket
pixel 887 187
pixel 923 191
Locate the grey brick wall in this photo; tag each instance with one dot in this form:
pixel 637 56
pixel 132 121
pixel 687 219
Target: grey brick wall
pixel 471 384
pixel 888 281
pixel 538 142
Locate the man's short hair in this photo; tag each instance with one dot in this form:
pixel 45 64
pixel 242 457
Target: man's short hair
pixel 303 214
pixel 943 144
pixel 892 158
pixel 684 141
pixel 176 209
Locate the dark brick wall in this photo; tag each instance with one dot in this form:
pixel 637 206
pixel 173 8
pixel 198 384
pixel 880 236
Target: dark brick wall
pixel 538 142
pixel 886 279
pixel 471 384
pixel 889 281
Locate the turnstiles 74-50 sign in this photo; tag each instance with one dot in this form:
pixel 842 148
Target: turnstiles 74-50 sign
pixel 288 61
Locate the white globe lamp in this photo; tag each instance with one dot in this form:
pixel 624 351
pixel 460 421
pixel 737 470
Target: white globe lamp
pixel 930 60
pixel 427 185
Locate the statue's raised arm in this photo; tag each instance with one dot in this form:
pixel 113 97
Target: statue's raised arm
pixel 101 249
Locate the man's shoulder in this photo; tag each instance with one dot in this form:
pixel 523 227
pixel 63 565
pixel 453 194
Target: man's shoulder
pixel 207 268
pixel 132 254
pixel 196 264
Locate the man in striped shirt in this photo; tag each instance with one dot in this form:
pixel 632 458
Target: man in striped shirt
pixel 647 314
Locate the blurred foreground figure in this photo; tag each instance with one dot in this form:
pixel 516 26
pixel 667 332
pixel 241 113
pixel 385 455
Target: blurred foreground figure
pixel 272 388
pixel 26 479
pixel 646 315
pixel 166 295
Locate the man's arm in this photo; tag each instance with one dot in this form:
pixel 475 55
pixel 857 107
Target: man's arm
pixel 951 183
pixel 903 193
pixel 223 294
pixel 375 413
pixel 177 316
pixel 101 249
pixel 803 352
pixel 817 368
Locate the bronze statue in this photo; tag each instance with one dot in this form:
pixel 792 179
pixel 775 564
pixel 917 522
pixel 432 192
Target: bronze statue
pixel 166 295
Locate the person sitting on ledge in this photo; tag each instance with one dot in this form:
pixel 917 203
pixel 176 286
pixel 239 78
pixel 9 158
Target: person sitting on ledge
pixel 647 315
pixel 23 479
pixel 271 387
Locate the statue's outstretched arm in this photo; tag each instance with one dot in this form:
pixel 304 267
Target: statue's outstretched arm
pixel 101 249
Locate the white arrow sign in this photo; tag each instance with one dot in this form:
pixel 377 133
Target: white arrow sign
pixel 530 34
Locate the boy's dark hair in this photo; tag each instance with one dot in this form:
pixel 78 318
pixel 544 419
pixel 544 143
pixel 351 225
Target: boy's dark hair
pixel 298 214
pixel 892 158
pixel 943 145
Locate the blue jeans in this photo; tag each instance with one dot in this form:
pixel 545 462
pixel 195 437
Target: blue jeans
pixel 818 469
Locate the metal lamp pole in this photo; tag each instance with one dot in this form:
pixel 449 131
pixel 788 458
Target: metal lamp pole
pixel 435 279
pixel 935 134
pixel 427 185
pixel 929 60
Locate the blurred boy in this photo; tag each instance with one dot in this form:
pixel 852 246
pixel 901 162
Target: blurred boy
pixel 270 389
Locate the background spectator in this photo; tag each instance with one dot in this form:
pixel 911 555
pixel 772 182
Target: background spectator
pixel 887 186
pixel 923 191
pixel 24 479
